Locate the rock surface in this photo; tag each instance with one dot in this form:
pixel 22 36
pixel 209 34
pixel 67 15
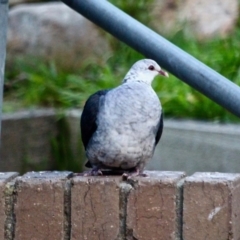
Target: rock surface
pixel 53 31
pixel 203 18
pixel 16 2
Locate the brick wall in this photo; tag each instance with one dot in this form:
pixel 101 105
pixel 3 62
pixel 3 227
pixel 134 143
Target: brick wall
pixel 164 205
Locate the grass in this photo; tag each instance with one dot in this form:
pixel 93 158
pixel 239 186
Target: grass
pixel 34 84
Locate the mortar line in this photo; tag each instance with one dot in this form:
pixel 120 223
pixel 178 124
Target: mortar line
pixel 10 195
pixel 67 209
pixel 125 189
pixel 179 208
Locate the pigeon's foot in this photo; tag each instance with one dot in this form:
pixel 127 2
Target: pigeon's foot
pixel 95 171
pixel 135 173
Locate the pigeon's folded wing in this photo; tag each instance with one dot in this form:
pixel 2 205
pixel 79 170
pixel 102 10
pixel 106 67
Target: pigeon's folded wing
pixel 89 116
pixel 160 130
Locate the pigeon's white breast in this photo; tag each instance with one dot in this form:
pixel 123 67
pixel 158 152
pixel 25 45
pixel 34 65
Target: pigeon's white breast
pixel 127 124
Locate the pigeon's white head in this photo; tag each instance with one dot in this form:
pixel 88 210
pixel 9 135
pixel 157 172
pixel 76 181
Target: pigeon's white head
pixel 144 71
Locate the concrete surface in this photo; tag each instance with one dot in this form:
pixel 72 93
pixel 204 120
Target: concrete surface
pixel 26 140
pixel 194 146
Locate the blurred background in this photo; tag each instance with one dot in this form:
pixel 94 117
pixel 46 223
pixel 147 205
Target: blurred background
pixel 56 59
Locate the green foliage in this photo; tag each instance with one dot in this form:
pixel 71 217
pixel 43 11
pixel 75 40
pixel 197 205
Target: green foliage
pixel 135 9
pixel 220 54
pixel 43 84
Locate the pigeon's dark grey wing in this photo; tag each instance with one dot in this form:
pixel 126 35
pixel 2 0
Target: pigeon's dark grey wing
pixel 89 115
pixel 160 130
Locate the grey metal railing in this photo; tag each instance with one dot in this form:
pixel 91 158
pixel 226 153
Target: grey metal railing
pixel 3 31
pixel 152 45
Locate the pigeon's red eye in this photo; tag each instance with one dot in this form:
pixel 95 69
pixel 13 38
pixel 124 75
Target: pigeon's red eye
pixel 151 67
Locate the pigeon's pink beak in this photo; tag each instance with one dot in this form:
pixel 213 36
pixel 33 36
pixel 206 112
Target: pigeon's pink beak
pixel 165 74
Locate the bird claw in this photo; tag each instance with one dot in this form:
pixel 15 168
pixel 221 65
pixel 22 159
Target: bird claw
pixel 93 172
pixel 137 173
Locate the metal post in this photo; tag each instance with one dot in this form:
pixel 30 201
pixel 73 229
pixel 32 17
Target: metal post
pixel 3 31
pixel 152 45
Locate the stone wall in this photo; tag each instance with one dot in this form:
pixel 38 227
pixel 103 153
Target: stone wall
pixel 40 139
pixel 26 140
pixel 162 206
pixel 198 146
pixel 36 140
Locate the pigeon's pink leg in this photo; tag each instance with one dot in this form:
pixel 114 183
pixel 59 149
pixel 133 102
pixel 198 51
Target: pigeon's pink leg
pixel 95 171
pixel 137 172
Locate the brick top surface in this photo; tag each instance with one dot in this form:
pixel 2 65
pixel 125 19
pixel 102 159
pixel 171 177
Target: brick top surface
pixel 7 176
pixel 163 176
pixel 213 177
pixel 100 179
pixel 47 174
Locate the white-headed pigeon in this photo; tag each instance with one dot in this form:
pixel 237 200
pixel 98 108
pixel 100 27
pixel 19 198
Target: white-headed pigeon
pixel 121 127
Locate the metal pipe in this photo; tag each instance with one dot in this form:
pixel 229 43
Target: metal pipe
pixel 152 45
pixel 3 33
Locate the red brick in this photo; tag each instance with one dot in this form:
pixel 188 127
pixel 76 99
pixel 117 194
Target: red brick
pixel 154 207
pixel 95 208
pixel 211 206
pixel 39 207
